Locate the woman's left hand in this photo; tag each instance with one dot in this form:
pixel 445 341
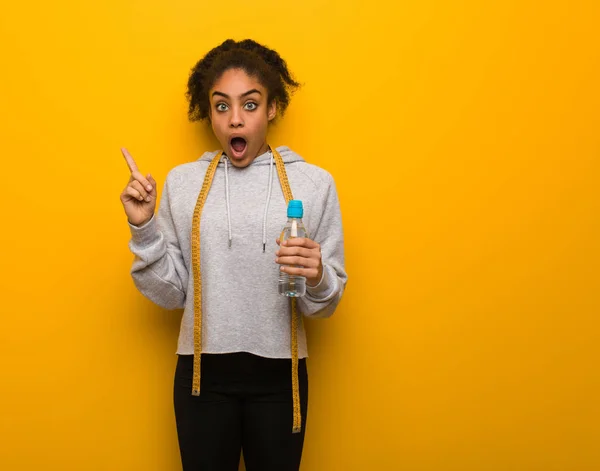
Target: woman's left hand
pixel 304 252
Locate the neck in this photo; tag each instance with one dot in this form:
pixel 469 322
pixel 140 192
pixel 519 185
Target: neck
pixel 264 148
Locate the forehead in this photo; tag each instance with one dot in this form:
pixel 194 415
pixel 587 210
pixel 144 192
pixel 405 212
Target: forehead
pixel 234 82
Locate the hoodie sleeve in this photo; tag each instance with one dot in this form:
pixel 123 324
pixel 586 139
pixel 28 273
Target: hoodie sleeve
pixel 321 300
pixel 158 269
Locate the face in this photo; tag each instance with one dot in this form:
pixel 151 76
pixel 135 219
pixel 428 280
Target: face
pixel 239 115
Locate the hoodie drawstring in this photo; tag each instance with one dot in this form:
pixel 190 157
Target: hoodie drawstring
pixel 264 240
pixel 227 199
pixel 265 215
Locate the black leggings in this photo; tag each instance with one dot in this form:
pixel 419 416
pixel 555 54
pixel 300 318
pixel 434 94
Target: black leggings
pixel 245 403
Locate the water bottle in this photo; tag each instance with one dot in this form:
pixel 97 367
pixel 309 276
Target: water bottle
pixel 292 285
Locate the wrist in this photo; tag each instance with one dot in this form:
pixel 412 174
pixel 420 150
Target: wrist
pixel 313 282
pixel 139 223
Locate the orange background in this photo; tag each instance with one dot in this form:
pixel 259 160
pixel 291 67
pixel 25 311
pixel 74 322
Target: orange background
pixel 463 137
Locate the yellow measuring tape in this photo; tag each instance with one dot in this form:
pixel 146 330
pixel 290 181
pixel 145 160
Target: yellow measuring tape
pixel 287 192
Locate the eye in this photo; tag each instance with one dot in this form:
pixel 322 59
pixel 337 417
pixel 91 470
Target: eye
pixel 221 107
pixel 250 106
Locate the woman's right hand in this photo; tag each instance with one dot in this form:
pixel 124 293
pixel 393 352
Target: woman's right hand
pixel 139 196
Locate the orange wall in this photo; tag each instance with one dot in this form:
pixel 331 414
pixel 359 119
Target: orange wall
pixel 463 137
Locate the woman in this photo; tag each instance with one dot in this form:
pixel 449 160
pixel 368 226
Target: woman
pixel 212 249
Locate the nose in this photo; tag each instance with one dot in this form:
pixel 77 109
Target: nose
pixel 236 120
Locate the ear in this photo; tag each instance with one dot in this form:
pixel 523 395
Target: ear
pixel 272 110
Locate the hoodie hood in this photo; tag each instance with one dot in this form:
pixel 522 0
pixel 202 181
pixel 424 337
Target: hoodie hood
pixel 286 153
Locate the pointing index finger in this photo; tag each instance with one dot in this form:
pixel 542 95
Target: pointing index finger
pixel 129 159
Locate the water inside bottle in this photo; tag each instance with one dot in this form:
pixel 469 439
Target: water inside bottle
pixel 292 285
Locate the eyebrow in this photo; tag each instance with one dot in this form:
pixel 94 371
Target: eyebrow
pixel 249 92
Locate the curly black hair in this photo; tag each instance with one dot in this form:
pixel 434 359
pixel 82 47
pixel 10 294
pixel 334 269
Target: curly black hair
pixel 256 60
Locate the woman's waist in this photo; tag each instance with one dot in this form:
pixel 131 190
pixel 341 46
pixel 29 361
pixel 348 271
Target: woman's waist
pixel 241 367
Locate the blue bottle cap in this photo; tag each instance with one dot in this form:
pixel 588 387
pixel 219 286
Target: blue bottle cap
pixel 295 209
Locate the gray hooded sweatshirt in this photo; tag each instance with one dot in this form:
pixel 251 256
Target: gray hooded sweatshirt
pixel 245 208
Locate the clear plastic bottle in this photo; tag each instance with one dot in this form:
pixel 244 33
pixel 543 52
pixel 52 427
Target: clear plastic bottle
pixel 292 285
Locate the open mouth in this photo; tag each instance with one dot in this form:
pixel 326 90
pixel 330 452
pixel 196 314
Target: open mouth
pixel 238 146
